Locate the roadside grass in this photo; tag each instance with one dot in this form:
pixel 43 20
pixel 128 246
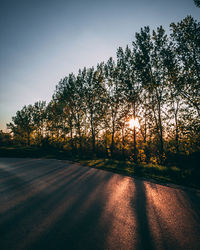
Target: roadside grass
pixel 159 173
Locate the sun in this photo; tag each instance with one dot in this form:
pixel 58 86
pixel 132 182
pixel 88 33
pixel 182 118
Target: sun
pixel 134 123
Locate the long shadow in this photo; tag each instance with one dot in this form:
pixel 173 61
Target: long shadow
pixel 10 179
pixel 78 226
pixel 171 239
pixel 31 165
pixel 65 178
pixel 145 238
pixel 65 213
pixel 167 241
pixel 41 207
pixel 32 210
pixel 190 201
pixel 19 164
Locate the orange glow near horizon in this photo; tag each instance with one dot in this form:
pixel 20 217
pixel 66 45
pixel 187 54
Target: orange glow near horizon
pixel 134 123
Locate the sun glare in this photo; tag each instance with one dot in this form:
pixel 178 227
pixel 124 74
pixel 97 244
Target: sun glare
pixel 134 123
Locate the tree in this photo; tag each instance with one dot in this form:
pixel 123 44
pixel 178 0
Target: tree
pixel 5 139
pixel 157 80
pixel 64 99
pixel 186 38
pixel 142 51
pixel 39 118
pixel 23 124
pixel 114 99
pixel 94 98
pixel 197 3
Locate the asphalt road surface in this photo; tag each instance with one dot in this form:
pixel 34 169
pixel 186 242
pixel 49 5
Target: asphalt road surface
pixel 53 204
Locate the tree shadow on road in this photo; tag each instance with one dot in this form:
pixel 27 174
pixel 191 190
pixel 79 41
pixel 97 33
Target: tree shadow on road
pixel 161 222
pixel 76 225
pixel 64 208
pixel 144 235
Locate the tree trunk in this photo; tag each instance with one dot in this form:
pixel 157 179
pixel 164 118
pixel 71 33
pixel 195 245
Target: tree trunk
pixel 93 141
pixel 134 145
pixel 113 138
pixel 28 138
pixel 71 135
pixel 161 133
pixel 134 135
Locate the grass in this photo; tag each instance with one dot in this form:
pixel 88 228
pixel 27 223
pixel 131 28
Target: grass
pixel 162 174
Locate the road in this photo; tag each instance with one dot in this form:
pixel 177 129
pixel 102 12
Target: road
pixel 53 204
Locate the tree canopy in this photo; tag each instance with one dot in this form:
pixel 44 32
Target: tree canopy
pixel 156 81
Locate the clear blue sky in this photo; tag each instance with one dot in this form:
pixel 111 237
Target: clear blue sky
pixel 42 41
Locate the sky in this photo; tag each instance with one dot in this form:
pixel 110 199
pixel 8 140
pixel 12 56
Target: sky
pixel 43 41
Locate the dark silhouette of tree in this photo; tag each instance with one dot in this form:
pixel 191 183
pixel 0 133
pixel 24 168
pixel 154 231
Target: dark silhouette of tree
pixel 5 139
pixel 186 37
pixel 156 80
pixel 23 125
pixel 39 118
pixel 94 98
pixel 114 99
pixel 197 3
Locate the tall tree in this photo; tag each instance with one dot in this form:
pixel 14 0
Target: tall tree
pixel 142 50
pixel 39 118
pixel 23 124
pixel 186 37
pixel 132 92
pixel 94 97
pixel 64 97
pixel 114 98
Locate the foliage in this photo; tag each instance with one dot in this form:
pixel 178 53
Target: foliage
pixel 5 139
pixel 157 80
pixel 197 3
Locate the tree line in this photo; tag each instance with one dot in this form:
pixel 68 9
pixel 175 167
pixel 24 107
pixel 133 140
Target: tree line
pixel 155 81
